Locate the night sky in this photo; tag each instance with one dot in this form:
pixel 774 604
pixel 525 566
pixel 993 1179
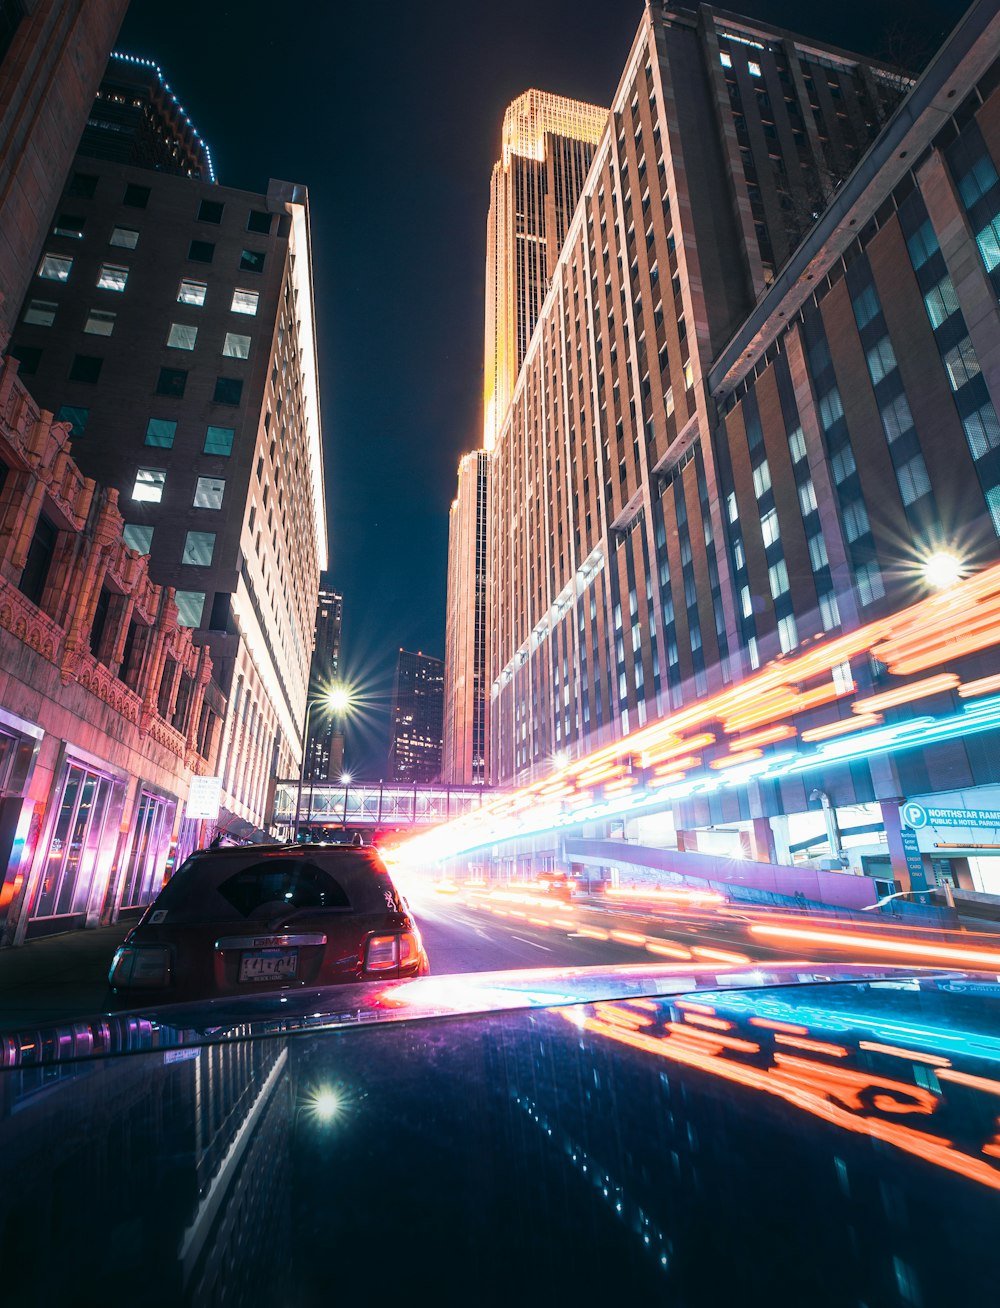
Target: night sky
pixel 390 114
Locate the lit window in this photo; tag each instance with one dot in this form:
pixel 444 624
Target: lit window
pixel 913 479
pixel 896 418
pixel 988 240
pixel 842 464
pixel 149 483
pixel 76 415
pixel 41 312
pixel 830 408
pixel 100 322
pixel 754 69
pixel 941 301
pixel 746 602
pixel 725 59
pixel 252 260
pixel 829 611
pixel 245 301
pixel 818 556
pixel 752 652
pixel 856 522
pixel 961 364
pixel 55 267
pixel 190 606
pixel 982 430
pixel 769 527
pixel 199 546
pixel 192 293
pixel 788 636
pixel 761 478
pixel 868 580
pixel 219 440
pixel 70 225
pixel 881 359
pixel 113 277
pixel 138 537
pixel 236 346
pixel 208 492
pixel 807 497
pixel 161 432
pixel 777 576
pixel 181 336
pixel 797 444
pixel 125 237
pixel 688 374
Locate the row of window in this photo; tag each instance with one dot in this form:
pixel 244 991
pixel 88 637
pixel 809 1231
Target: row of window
pixel 114 276
pixel 137 197
pixel 199 546
pixel 150 484
pixel 170 382
pixel 42 313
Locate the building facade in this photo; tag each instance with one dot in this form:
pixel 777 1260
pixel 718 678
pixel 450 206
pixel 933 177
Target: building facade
pixel 106 704
pixel 715 457
pixel 325 740
pixel 170 323
pixel 417 724
pixel 466 661
pixel 52 56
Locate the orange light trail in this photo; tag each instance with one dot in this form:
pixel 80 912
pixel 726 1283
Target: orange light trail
pixel 720 955
pixel 966 1078
pixel 788 1027
pixel 841 727
pixel 667 951
pixel 905 694
pixel 970 689
pixel 720 1041
pixel 912 948
pixel 811 1046
pixel 714 1023
pixel 910 1054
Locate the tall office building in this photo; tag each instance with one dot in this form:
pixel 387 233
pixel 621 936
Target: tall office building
pixel 170 324
pixel 325 740
pixel 52 56
pixel 547 144
pixel 725 445
pixel 466 704
pixel 417 718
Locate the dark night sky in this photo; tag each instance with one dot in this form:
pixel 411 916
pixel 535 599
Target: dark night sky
pixel 390 114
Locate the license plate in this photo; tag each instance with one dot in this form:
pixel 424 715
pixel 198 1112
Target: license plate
pixel 268 964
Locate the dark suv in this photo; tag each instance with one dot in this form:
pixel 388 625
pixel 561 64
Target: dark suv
pixel 269 917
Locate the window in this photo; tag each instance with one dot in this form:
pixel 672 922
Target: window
pixel 55 267
pixel 100 322
pixel 208 492
pixel 161 432
pixel 210 211
pixel 228 390
pixel 190 606
pixel 219 440
pixel 725 59
pixel 961 364
pixel 746 602
pixel 83 184
pixel 922 244
pixel 807 497
pixel 881 359
pixel 245 301
pixel 257 221
pixel 777 577
pixel 818 556
pixel 252 260
pixel 829 611
pixel 69 225
pixel 29 357
pixel 855 520
pixel 797 444
pixel 181 336
pixel 76 415
pixel 136 197
pixel 913 479
pixel 41 312
pixel 149 484
pixel 236 346
pixel 127 238
pixel 941 301
pixel 788 636
pixel 85 368
pixel 769 527
pixel 868 580
pixel 172 381
pixel 113 277
pixel 753 68
pixel 982 430
pixel 866 306
pixel 201 251
pixel 988 240
pixel 761 479
pixel 842 464
pixel 974 184
pixel 830 408
pixel 137 537
pixel 199 546
pixel 896 418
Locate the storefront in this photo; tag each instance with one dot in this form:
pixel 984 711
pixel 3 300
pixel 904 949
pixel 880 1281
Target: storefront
pixel 151 825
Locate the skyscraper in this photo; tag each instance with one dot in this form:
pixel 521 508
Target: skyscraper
pixel 466 703
pixel 325 742
pixel 417 718
pixel 170 323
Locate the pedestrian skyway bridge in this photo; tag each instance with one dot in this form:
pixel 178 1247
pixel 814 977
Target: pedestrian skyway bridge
pixel 376 804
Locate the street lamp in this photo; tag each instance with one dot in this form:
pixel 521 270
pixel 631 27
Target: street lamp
pixel 336 699
pixel 942 569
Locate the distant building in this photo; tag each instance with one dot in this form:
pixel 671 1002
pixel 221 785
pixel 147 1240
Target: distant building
pixel 466 702
pixel 171 325
pixel 417 718
pixel 325 743
pixel 52 55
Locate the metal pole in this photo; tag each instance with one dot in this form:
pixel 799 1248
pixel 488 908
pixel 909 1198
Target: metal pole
pixel 302 770
pixel 346 785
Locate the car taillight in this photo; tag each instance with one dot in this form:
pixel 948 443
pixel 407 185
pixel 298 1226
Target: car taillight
pixel 140 965
pixel 386 953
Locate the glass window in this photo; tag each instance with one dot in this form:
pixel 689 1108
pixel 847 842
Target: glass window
pixel 236 346
pixel 777 576
pixel 753 68
pixel 993 504
pixel 70 225
pixel 125 237
pixel 55 267
pixel 896 418
pixel 192 292
pixel 190 606
pixel 245 301
pixel 761 478
pixel 257 221
pixel 769 527
pixel 881 359
pixel 181 336
pixel 171 381
pixel 868 580
pixel 842 464
pixel 725 59
pixel 913 479
pixel 856 522
pixel 161 432
pixel 136 197
pixel 817 552
pixel 974 184
pixel 252 260
pixel 76 415
pixel 829 610
pixel 85 368
pixel 138 537
pixel 982 430
pixel 961 364
pixel 988 240
pixel 219 440
pixel 208 492
pixel 113 277
pixel 746 602
pixel 100 322
pixel 807 497
pixel 28 356
pixel 830 408
pixel 210 211
pixel 941 301
pixel 922 244
pixel 201 251
pixel 199 546
pixel 797 444
pixel 866 306
pixel 149 484
pixel 84 184
pixel 228 390
pixel 41 312
pixel 788 636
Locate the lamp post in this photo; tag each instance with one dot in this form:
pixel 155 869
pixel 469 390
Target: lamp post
pixel 336 699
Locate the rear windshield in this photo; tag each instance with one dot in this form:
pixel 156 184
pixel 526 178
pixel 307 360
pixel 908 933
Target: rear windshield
pixel 221 887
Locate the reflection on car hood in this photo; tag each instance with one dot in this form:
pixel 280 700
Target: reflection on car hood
pixel 786 1135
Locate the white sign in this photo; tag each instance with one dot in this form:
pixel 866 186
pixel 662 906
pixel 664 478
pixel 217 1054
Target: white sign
pixel 918 816
pixel 204 797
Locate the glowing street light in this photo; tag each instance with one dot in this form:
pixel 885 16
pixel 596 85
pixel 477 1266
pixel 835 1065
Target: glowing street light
pixel 335 699
pixel 942 569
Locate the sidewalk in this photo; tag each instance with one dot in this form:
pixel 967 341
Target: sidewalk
pixel 57 977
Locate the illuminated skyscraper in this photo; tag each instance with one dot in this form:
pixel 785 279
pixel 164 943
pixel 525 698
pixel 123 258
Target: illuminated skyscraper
pixel 325 743
pixel 417 718
pixel 466 704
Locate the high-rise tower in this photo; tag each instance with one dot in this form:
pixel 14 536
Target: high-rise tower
pixel 325 741
pixel 417 718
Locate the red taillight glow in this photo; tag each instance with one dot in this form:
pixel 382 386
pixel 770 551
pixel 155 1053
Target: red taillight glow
pixel 386 953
